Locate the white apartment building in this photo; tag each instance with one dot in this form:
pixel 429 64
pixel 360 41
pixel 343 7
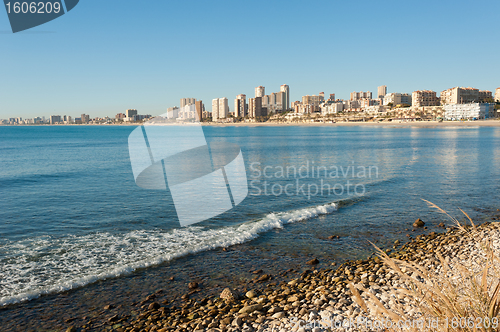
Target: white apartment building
pixel 473 111
pixel 332 108
pixel 223 108
pixel 220 108
pixel 173 112
pixel 186 112
pixel 260 91
pixel 497 95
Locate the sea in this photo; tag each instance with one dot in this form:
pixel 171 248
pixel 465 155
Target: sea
pixel 73 222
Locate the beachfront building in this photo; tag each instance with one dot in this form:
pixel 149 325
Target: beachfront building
pixel 458 95
pixel 472 111
pixel 381 91
pixel 424 98
pixel 240 106
pixel 285 89
pixel 273 102
pixel 200 110
pixel 55 119
pixel 331 108
pixel 255 108
pixel 173 112
pixel 396 98
pixel 497 95
pixel 187 112
pixel 220 108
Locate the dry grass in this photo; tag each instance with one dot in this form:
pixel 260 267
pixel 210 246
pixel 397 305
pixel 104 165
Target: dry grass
pixel 458 296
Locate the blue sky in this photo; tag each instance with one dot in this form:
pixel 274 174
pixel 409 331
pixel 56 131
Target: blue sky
pixel 104 57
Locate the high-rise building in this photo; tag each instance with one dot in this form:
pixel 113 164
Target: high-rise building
pixel 215 109
pixel 458 95
pixel 321 96
pixel 255 107
pixel 266 100
pixel 260 91
pixel 187 101
pixel 424 98
pixel 381 91
pixel 220 109
pixel 240 106
pixel 199 109
pixel 286 98
pixel 85 118
pixel 223 108
pixel 332 97
pixel 129 113
pixel 497 95
pixel 55 119
pixel 361 95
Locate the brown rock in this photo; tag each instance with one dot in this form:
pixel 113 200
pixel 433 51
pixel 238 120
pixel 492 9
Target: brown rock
pixel 251 308
pixel 193 285
pixel 418 223
pixel 228 295
pixel 441 224
pixel 264 277
pixel 154 306
pixel 313 261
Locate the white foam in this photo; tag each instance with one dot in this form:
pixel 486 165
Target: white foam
pixel 47 265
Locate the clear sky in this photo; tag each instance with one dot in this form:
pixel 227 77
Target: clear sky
pixel 106 56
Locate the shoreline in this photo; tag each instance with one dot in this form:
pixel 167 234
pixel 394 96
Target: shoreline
pixel 278 301
pixel 314 284
pixel 397 123
pixel 315 300
pixel 432 124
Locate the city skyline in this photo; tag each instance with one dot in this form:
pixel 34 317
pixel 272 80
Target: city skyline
pixel 71 67
pixel 279 102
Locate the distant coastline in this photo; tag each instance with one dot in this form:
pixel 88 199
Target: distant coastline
pixel 477 123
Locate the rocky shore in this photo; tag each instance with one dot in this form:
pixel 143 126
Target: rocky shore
pixel 310 300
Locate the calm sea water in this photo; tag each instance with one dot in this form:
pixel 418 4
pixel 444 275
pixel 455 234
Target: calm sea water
pixel 71 213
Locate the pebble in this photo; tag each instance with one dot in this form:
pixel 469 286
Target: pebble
pixel 312 294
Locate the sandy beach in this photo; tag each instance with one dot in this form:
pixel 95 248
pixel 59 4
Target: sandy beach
pixel 397 123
